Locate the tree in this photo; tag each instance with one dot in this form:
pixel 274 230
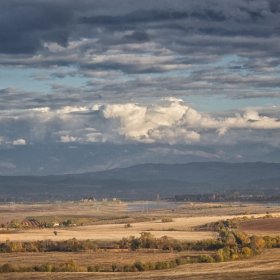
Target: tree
pixel 241 238
pixel 14 224
pixel 146 240
pixel 257 243
pixel 246 252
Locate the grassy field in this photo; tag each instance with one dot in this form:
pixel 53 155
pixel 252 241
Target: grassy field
pixel 104 259
pixel 107 222
pixel 264 266
pixel 181 228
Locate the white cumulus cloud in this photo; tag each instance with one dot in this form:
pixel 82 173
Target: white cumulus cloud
pixel 170 120
pixel 67 138
pixel 19 142
pixel 158 123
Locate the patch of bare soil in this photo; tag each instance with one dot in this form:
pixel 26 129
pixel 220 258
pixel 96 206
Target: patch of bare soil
pixel 261 226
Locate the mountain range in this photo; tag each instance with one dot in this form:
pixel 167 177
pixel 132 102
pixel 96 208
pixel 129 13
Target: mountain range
pixel 145 181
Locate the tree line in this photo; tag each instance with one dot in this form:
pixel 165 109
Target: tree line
pixel 222 197
pixel 71 245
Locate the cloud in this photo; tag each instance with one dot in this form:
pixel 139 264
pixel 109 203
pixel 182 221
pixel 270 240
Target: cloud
pixel 203 154
pixel 153 124
pixel 28 24
pixel 7 165
pixel 70 109
pixel 167 121
pixel 210 47
pixel 177 123
pixel 137 36
pixel 19 142
pixel 67 139
pixel 92 73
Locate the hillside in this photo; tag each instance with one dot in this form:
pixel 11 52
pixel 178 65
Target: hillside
pixel 145 181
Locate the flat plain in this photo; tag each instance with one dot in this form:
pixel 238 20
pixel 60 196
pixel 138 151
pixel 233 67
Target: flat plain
pixel 269 227
pixel 110 225
pixel 264 266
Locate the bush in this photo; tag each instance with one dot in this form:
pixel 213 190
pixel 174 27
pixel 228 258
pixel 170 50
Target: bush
pixel 139 266
pixel 7 267
pixel 46 267
pixel 167 220
pixel 205 259
pixel 93 268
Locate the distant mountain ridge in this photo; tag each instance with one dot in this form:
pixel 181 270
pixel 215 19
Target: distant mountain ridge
pixel 144 181
pixel 195 172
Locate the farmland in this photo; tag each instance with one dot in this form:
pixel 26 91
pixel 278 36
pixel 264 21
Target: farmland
pixel 106 223
pixel 269 227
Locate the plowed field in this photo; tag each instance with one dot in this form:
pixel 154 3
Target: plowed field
pixel 261 227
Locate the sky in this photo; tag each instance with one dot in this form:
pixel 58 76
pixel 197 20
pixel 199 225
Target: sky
pixel 90 85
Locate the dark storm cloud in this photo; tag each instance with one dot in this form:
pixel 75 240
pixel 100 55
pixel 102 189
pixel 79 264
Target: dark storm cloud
pixel 62 95
pixel 27 24
pixel 134 19
pixel 199 32
pixel 136 38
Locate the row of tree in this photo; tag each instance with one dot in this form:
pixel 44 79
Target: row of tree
pixel 71 266
pixel 221 197
pixel 208 197
pixel 71 245
pixel 233 245
pixel 235 240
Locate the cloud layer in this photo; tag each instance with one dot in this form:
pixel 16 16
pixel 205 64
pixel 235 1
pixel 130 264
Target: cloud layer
pixel 180 79
pixel 169 121
pixel 128 49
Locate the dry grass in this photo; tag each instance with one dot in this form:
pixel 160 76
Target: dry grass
pixel 185 218
pixel 264 266
pixel 117 231
pixel 181 228
pixel 103 258
pixel 10 212
pixel 68 209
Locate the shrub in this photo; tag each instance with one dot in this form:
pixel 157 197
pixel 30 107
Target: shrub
pixel 7 267
pixel 140 266
pixel 93 268
pixel 167 220
pixel 114 266
pixel 46 267
pixel 205 259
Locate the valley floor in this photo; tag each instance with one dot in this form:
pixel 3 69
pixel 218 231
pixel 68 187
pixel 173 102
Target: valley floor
pixel 265 266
